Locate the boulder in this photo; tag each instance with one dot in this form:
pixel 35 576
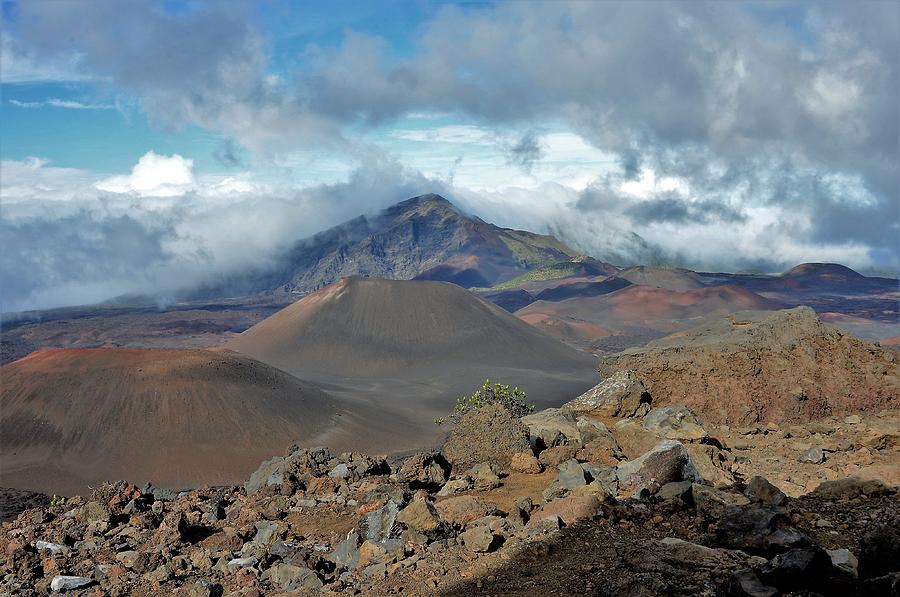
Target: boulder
pixel 478 539
pixel 879 553
pixel 464 483
pixel 711 503
pixel 488 434
pixel 745 583
pixel 459 511
pixel 551 423
pixel 759 530
pixel 525 462
pixel 844 561
pixel 69 583
pixel 676 490
pixel 632 439
pixel 484 476
pixel 380 524
pixel 267 532
pixel 619 395
pixel 712 464
pixel 602 451
pixel 674 422
pixel 425 469
pixel 421 516
pixel 569 509
pixel 684 553
pixel 797 569
pixel 346 552
pixel 813 456
pixel 667 462
pixel 760 490
pixel 556 455
pixel 291 578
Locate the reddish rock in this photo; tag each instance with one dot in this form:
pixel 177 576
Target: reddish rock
pixel 525 462
pixel 460 511
pixel 556 455
pixel 569 509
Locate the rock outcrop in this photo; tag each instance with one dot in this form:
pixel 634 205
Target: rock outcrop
pixel 760 366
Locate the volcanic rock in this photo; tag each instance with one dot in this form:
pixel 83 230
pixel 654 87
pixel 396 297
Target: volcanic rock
pixel 489 434
pixel 669 461
pixel 619 395
pixel 764 366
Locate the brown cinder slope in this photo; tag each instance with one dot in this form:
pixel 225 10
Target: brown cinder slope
pixel 636 314
pixel 179 418
pixel 371 327
pixel 765 366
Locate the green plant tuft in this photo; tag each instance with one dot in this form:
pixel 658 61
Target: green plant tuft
pixel 513 399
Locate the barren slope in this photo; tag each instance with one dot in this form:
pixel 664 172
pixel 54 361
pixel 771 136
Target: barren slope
pixel 635 314
pixel 180 418
pixel 670 278
pixel 368 327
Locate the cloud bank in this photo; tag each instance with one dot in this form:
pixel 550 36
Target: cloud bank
pixel 745 135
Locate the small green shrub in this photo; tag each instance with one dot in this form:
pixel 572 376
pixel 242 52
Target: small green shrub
pixel 513 400
pixel 57 500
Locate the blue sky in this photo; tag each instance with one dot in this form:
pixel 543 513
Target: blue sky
pixel 742 135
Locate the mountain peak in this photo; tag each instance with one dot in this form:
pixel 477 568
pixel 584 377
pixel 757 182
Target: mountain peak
pixel 424 204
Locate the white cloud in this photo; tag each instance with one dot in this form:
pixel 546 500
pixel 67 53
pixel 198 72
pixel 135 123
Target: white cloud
pixel 55 102
pixel 649 184
pixel 154 176
pixel 34 178
pixel 19 104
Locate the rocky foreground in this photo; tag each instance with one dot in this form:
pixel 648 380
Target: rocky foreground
pixel 605 496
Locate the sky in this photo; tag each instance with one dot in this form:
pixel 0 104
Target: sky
pixel 148 146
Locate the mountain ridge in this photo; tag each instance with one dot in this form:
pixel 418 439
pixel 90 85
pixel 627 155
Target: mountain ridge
pixel 424 236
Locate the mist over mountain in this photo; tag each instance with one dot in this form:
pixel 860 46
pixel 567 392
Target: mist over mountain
pixel 426 236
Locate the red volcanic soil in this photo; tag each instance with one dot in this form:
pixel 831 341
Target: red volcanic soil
pixel 463 270
pixel 638 312
pixel 179 418
pixel 642 303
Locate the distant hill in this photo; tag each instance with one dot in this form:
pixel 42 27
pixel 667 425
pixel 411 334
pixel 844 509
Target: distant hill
pixel 636 314
pixel 426 237
pixel 369 327
pixel 178 417
pixel 669 278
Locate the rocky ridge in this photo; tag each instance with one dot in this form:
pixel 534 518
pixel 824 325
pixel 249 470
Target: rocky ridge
pixel 765 366
pixel 599 501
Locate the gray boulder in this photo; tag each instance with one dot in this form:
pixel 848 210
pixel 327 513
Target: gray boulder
pixel 291 578
pixel 381 524
pixel 667 462
pixel 619 395
pixel 674 422
pixel 69 583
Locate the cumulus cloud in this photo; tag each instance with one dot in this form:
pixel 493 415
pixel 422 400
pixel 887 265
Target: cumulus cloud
pixel 97 244
pixel 154 175
pixel 739 139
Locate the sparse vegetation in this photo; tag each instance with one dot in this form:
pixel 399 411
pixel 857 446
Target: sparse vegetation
pixel 561 269
pixel 57 500
pixel 513 400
